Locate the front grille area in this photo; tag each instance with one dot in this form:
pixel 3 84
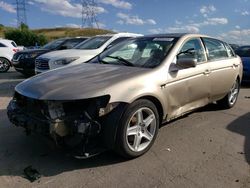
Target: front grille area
pixel 42 64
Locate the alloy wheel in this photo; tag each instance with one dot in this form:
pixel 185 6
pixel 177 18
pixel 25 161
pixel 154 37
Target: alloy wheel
pixel 232 97
pixel 141 129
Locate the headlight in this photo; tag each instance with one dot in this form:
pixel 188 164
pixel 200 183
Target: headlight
pixel 31 55
pixel 108 108
pixel 65 61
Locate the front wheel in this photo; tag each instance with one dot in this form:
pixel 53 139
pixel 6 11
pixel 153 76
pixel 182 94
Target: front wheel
pixel 138 129
pixel 230 99
pixel 4 65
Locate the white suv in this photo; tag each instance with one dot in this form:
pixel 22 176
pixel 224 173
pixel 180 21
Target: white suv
pixel 7 50
pixel 81 53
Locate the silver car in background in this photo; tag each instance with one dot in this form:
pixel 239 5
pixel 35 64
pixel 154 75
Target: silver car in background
pixel 119 99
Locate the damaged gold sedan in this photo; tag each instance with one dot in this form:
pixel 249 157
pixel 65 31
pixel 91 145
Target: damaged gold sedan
pixel 119 99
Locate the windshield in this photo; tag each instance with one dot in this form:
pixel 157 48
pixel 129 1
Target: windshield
pixel 243 51
pixel 93 43
pixel 54 44
pixel 141 52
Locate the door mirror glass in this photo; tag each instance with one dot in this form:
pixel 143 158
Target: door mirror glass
pixel 187 62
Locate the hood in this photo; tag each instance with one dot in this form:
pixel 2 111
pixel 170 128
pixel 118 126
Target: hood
pixel 29 51
pixel 78 82
pixel 69 53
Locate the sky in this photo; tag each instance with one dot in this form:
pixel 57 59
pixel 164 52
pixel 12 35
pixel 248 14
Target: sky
pixel 228 20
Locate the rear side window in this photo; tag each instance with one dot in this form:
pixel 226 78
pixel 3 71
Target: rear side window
pixel 216 49
pixel 2 45
pixel 243 51
pixel 229 50
pixel 13 44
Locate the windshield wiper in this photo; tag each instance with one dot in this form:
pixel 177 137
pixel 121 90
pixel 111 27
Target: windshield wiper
pixel 122 60
pixel 101 61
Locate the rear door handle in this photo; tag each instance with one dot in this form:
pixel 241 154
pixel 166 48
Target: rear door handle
pixel 206 72
pixel 235 65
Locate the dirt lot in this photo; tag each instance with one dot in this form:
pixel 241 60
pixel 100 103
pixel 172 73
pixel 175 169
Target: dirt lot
pixel 208 148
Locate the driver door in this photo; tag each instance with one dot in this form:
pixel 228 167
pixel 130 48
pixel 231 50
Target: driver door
pixel 188 87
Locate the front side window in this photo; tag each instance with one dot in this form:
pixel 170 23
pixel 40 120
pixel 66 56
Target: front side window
pixel 192 49
pixel 139 52
pixel 216 49
pixel 93 43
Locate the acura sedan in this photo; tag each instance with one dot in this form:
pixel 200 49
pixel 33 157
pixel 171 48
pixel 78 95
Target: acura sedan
pixel 119 99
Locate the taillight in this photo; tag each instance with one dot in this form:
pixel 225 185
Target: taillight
pixel 15 50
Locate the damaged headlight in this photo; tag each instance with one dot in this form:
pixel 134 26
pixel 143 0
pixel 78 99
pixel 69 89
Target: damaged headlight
pixel 55 109
pixel 65 61
pixel 108 108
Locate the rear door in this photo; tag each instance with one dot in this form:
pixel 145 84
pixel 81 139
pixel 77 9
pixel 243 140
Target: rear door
pixel 224 67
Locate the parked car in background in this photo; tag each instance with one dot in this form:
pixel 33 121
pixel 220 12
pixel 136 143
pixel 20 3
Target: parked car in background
pixel 119 99
pixel 24 61
pixel 234 46
pixel 81 53
pixel 244 53
pixel 7 49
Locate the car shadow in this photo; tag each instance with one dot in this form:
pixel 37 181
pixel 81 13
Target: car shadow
pixel 18 151
pixel 242 126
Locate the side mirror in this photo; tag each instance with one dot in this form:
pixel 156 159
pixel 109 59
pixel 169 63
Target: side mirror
pixel 186 62
pixel 63 47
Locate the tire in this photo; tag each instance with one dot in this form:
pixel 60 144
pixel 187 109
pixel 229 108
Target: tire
pixel 138 129
pixel 4 64
pixel 230 99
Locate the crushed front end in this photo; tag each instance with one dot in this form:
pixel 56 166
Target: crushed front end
pixel 76 123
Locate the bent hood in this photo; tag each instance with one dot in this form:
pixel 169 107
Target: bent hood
pixel 69 53
pixel 78 82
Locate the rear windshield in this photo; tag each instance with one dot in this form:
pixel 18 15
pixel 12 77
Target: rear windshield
pixel 93 43
pixel 243 51
pixel 13 44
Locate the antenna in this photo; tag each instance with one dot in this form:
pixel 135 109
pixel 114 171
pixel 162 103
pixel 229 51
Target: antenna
pixel 21 12
pixel 89 18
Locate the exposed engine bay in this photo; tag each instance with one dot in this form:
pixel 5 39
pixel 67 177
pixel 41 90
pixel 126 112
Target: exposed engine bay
pixel 76 123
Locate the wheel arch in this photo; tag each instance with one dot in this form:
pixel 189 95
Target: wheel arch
pixel 156 102
pixel 7 60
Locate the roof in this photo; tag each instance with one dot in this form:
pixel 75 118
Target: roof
pixel 121 35
pixel 174 35
pixel 6 42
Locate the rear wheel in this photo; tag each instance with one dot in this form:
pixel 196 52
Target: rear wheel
pixel 230 99
pixel 4 64
pixel 138 129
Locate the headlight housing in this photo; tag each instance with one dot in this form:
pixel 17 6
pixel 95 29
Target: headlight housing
pixel 108 108
pixel 65 61
pixel 30 55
